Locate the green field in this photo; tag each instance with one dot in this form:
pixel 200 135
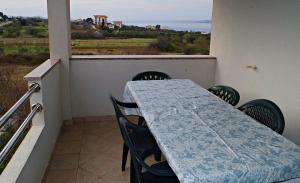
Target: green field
pixel 40 45
pixel 113 43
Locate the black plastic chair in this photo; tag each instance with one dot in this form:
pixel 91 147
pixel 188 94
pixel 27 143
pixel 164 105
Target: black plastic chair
pixel 265 112
pixel 157 173
pixel 151 75
pixel 226 93
pixel 146 144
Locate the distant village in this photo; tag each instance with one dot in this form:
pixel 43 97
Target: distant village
pixel 101 21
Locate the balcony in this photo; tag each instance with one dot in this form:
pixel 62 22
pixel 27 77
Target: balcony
pixel 76 156
pixel 75 137
pixel 92 130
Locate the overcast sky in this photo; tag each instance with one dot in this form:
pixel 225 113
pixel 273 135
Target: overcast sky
pixel 118 9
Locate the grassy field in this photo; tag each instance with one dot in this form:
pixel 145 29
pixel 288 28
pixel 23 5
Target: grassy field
pixel 79 46
pixel 113 43
pixel 11 79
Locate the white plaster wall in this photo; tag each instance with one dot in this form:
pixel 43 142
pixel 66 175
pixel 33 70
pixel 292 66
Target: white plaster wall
pixel 30 161
pixel 265 33
pixel 93 79
pixel 60 46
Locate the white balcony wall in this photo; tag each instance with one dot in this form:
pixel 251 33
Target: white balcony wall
pixel 30 161
pixel 94 78
pixel 265 34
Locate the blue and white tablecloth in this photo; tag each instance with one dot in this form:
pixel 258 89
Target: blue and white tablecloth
pixel 207 140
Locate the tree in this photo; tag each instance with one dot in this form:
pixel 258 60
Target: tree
pixel 89 20
pixel 32 31
pixel 2 17
pixel 12 32
pixel 5 17
pixel 23 21
pixel 157 27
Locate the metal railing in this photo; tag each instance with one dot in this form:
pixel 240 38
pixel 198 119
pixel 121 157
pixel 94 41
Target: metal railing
pixel 32 88
pixel 4 119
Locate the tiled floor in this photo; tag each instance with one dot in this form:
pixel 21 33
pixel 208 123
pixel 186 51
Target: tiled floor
pixel 89 151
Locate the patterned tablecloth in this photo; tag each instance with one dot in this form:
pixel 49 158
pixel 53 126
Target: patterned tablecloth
pixel 207 140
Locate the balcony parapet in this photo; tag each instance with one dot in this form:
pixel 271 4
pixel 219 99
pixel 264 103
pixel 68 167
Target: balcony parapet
pixel 39 72
pixel 139 57
pixel 30 160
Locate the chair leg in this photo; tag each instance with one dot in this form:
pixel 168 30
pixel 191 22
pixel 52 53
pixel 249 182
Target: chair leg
pixel 124 156
pixel 133 176
pixel 157 156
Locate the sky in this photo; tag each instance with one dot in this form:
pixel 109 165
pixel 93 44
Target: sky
pixel 126 10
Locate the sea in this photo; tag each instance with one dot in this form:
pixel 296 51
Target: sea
pixel 185 25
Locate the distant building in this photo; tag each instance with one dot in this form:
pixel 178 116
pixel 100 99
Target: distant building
pixel 118 23
pixel 78 22
pixel 101 20
pixel 110 25
pixel 151 27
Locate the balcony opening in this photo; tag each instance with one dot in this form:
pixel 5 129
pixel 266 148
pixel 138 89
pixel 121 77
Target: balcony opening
pixel 146 27
pixel 23 46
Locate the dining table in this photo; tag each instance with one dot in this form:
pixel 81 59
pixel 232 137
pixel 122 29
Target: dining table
pixel 205 139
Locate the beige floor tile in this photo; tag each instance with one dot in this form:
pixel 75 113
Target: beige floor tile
pixel 67 136
pixel 79 120
pixel 116 176
pixel 92 119
pixel 100 142
pixel 64 162
pixel 101 124
pixel 73 127
pixel 98 164
pixel 68 147
pixel 89 151
pixel 107 118
pixel 61 176
pixel 86 177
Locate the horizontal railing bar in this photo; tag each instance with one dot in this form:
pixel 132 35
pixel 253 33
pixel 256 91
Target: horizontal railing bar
pixel 33 88
pixel 14 139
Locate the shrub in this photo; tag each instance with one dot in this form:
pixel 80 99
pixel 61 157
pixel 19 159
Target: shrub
pixel 24 59
pixel 23 50
pixel 190 50
pixel 33 31
pixel 202 45
pixel 163 44
pixel 41 49
pixel 1 50
pixel 87 35
pixel 12 32
pixel 188 38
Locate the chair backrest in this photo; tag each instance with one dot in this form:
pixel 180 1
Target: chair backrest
pixel 151 75
pixel 265 112
pixel 135 158
pixel 118 111
pixel 227 93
